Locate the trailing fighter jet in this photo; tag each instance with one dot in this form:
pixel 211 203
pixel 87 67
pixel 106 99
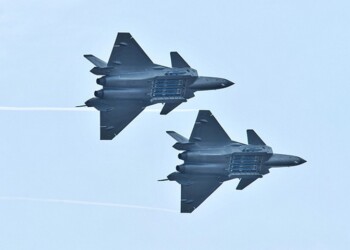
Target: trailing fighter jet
pixel 131 82
pixel 211 157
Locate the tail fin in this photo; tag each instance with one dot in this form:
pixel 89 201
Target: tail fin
pixel 253 138
pixel 177 137
pixel 177 61
pixel 96 61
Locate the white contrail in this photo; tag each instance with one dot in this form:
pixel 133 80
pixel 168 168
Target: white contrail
pixel 77 109
pixel 43 109
pixel 85 203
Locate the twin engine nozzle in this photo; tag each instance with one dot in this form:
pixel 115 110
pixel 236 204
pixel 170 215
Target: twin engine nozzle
pixel 180 168
pixel 182 156
pixel 107 80
pixel 99 93
pixel 101 81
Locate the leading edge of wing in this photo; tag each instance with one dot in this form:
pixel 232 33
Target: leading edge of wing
pixel 127 53
pixel 113 121
pixel 196 191
pixel 208 129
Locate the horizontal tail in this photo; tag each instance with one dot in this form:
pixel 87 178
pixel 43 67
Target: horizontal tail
pixel 96 61
pixel 182 142
pixel 177 137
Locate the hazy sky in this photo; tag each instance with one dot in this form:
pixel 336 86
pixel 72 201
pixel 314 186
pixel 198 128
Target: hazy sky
pixel 290 63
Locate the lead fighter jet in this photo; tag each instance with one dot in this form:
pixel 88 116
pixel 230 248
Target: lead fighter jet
pixel 210 158
pixel 131 82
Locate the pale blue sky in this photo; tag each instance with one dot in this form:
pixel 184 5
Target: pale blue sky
pixel 290 62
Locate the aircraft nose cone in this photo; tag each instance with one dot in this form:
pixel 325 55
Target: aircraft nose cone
pixel 227 83
pixel 302 161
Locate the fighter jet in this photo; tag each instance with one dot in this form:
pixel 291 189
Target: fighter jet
pixel 131 82
pixel 211 157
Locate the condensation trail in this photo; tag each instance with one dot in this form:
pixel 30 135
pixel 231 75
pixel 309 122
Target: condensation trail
pixel 80 109
pixel 85 203
pixel 44 109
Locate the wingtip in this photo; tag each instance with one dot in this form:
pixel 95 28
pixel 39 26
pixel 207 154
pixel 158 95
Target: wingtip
pixel 204 112
pixel 106 137
pixel 124 35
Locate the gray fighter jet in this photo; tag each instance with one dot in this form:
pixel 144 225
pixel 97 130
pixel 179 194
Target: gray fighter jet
pixel 211 157
pixel 131 82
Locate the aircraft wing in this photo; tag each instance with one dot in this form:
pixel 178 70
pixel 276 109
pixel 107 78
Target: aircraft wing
pixel 113 121
pixel 196 191
pixel 127 54
pixel 207 129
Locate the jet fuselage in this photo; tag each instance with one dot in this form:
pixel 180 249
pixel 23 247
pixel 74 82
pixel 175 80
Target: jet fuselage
pixel 155 85
pixel 131 81
pixel 211 158
pixel 235 160
pixel 230 161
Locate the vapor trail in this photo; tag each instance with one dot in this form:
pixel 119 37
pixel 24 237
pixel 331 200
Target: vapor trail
pixel 84 109
pixel 85 203
pixel 43 109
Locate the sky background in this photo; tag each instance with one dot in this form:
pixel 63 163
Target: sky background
pixel 290 62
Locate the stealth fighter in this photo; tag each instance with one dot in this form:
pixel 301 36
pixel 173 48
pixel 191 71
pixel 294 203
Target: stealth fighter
pixel 131 82
pixel 211 157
